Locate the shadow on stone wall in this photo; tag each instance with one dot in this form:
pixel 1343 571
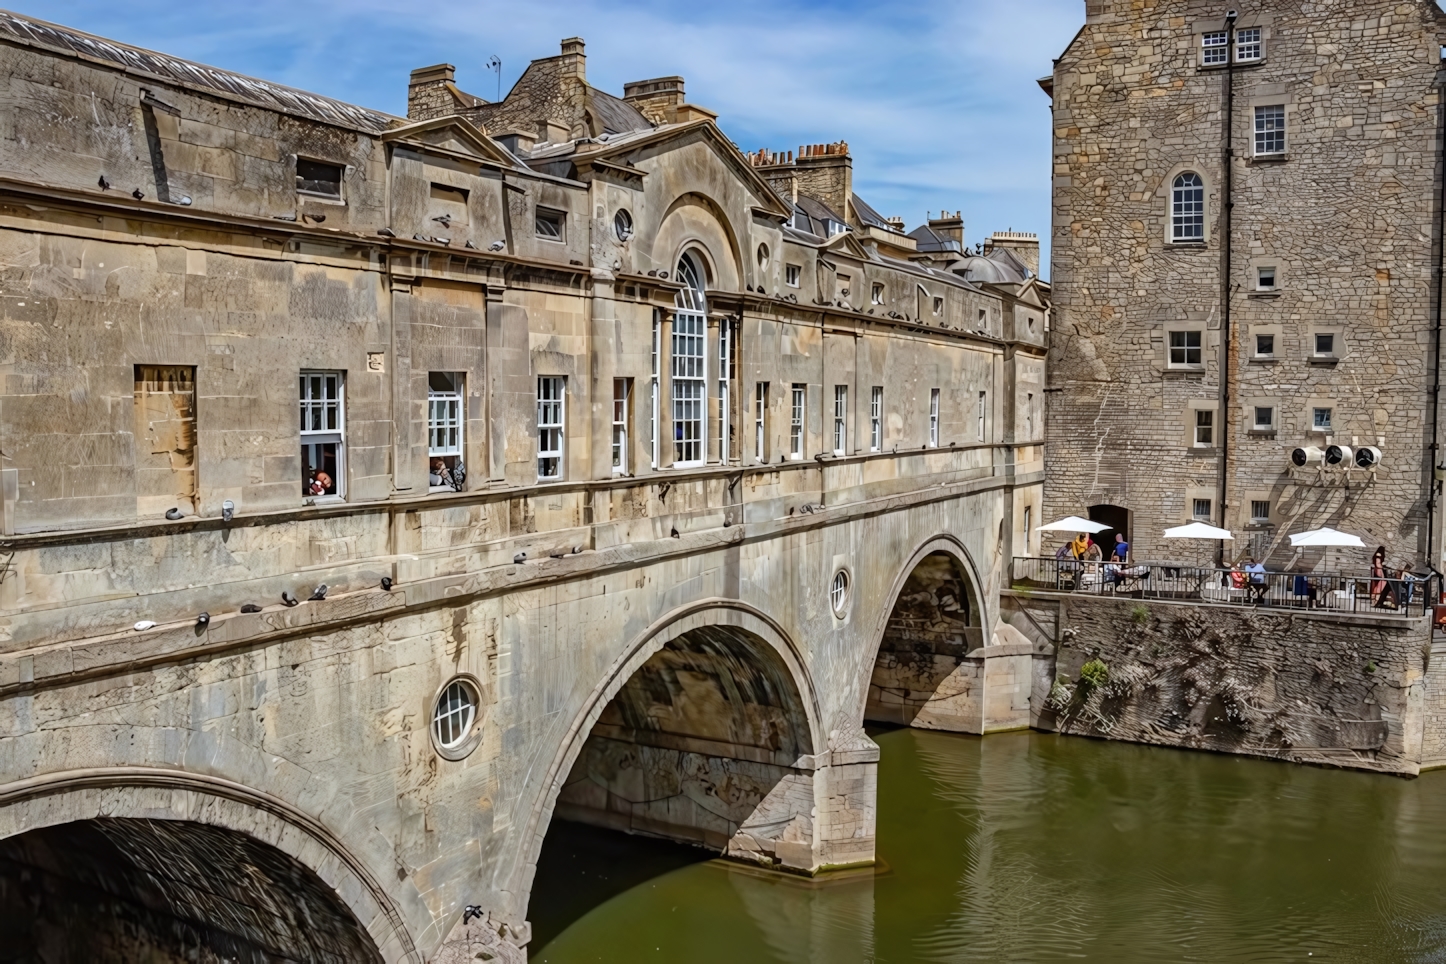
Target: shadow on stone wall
pixel 1289 685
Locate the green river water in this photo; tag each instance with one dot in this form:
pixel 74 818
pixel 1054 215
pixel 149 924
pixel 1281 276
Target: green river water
pixel 1034 847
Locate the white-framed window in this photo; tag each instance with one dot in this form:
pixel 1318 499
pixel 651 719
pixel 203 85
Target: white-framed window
pixel 551 410
pixel 1264 346
pixel 444 431
pixel 654 395
pixel 1325 344
pixel 1187 208
pixel 1248 48
pixel 840 419
pixel 760 421
pixel 838 592
pixel 550 225
pixel 983 416
pixel 1215 48
pixel 876 294
pixel 933 418
pixel 1204 428
pixel 1320 419
pixel 795 422
pixel 791 275
pixel 454 714
pixel 1185 351
pixel 1201 511
pixel 622 412
pixel 323 434
pixel 1259 510
pixel 1264 420
pixel 1270 130
pixel 1265 278
pixel 725 374
pixel 876 418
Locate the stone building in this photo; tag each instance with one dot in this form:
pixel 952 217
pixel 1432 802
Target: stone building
pixel 1246 263
pixel 375 487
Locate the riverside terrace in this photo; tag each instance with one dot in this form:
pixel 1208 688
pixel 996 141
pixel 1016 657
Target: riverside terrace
pixel 1407 596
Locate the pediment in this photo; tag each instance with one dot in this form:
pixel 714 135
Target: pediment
pixel 847 244
pixel 453 136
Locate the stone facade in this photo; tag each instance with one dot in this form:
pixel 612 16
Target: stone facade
pixel 1309 323
pixel 534 525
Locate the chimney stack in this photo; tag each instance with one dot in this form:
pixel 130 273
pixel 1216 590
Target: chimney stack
pixel 658 99
pixel 574 61
pixel 429 94
pixel 826 172
pixel 1024 246
pixel 949 225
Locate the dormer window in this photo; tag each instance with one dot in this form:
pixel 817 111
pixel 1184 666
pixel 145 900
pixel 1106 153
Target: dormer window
pixel 832 227
pixel 876 296
pixel 318 177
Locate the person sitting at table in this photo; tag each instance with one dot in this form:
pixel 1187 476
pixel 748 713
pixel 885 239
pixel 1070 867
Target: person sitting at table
pixel 1258 584
pixel 1237 577
pixel 1121 550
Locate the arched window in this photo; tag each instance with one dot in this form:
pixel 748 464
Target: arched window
pixel 690 365
pixel 1187 208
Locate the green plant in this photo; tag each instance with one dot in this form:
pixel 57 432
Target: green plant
pixel 1371 666
pixel 1094 673
pixel 1140 615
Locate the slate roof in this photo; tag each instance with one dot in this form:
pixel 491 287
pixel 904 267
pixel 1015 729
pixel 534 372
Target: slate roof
pixel 999 266
pixel 868 215
pixel 932 242
pixel 617 115
pixel 260 93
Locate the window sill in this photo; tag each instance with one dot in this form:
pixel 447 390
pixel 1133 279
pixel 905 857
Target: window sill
pixel 1263 294
pixel 434 489
pixel 323 499
pixel 1268 159
pixel 1261 433
pixel 1326 360
pixel 1187 245
pixel 1201 450
pixel 325 198
pixel 1264 360
pixel 1185 370
pixel 1239 65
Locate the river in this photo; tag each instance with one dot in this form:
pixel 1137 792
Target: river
pixel 1034 847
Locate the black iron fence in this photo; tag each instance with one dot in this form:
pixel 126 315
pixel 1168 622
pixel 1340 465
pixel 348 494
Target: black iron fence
pixel 1400 594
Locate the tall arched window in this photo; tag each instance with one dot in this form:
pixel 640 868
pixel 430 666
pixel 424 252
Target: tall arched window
pixel 1187 208
pixel 690 365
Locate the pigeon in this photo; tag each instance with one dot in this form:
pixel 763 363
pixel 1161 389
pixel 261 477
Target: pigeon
pixel 287 598
pixel 662 274
pixel 387 583
pixel 185 201
pixel 652 274
pixel 317 218
pixel 674 534
pixel 386 232
pixel 496 245
pixel 228 510
pixel 173 514
pixel 144 625
pixel 444 219
pixel 138 194
pixel 469 912
pixel 319 593
pixel 104 184
pixel 250 608
pixel 203 620
pixel 420 237
pixel 283 217
pixel 442 240
pixel 468 244
pixel 521 557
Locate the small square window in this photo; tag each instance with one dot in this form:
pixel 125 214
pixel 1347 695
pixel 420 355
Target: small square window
pixel 1259 510
pixel 1216 48
pixel 318 177
pixel 1264 418
pixel 1270 130
pixel 1202 509
pixel 1264 346
pixel 1204 428
pixel 1247 45
pixel 551 225
pixel 1265 279
pixel 791 274
pixel 1320 419
pixel 1325 344
pixel 876 296
pixel 1185 349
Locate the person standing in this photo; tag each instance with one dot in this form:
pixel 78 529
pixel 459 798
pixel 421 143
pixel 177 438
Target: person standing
pixel 1121 552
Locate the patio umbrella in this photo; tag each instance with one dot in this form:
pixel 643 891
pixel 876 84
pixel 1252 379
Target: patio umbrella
pixel 1325 537
pixel 1199 530
pixel 1073 523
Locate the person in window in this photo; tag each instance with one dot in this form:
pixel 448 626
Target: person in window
pixel 439 475
pixel 1121 551
pixel 318 483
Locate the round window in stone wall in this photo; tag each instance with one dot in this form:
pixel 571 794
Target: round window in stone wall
pixel 763 256
pixel 838 592
pixel 454 718
pixel 623 224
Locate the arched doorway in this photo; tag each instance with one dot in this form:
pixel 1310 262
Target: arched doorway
pixel 922 676
pixel 162 891
pixel 1118 520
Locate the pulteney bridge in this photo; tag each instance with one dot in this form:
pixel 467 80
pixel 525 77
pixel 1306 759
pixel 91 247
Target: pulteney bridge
pixel 633 497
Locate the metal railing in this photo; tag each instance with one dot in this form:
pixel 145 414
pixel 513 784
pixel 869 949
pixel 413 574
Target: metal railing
pixel 1402 594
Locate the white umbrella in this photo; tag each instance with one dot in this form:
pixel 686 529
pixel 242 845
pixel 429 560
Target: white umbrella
pixel 1325 537
pixel 1199 530
pixel 1073 523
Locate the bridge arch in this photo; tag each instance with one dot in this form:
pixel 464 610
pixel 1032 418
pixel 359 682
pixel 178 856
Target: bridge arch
pixel 197 861
pixel 720 695
pixel 915 672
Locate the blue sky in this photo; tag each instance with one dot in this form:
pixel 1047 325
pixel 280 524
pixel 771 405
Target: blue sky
pixel 938 101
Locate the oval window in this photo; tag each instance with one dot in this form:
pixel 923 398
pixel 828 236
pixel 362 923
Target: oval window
pixel 454 714
pixel 623 224
pixel 763 256
pixel 838 593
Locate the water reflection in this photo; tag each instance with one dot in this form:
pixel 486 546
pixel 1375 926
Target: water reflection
pixel 1032 847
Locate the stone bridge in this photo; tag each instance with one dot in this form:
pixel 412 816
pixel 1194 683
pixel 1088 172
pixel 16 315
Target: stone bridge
pixel 270 780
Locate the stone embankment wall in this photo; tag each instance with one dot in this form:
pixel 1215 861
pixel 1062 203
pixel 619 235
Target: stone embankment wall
pixel 1287 685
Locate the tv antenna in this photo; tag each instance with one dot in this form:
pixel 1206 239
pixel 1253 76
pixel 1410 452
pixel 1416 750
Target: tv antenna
pixel 494 63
